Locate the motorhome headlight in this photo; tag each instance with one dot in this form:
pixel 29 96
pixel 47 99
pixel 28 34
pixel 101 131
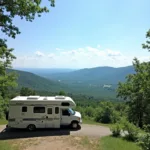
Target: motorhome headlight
pixel 79 118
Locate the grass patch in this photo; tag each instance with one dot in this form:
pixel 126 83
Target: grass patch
pixel 5 145
pixel 112 143
pixel 95 123
pixel 3 122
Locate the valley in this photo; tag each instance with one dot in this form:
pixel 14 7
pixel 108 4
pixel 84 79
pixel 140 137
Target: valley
pixel 100 82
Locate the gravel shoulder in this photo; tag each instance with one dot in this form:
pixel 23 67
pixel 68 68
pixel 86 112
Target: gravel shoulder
pixel 56 139
pixel 86 130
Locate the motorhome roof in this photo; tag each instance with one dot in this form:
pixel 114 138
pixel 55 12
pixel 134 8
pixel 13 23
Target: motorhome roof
pixel 40 98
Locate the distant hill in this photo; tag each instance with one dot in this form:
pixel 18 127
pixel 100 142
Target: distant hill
pixel 98 75
pixel 36 82
pixel 44 72
pixel 99 82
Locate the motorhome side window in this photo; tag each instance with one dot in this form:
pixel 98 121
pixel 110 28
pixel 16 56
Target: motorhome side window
pixel 56 110
pixel 65 112
pixel 49 111
pixel 65 104
pixel 24 109
pixel 39 110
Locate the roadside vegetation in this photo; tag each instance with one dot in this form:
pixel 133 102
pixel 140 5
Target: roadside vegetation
pixel 111 143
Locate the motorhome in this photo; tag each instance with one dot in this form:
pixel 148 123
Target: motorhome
pixel 33 112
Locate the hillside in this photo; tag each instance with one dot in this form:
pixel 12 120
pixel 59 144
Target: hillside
pixel 98 75
pixel 36 82
pixel 44 72
pixel 100 82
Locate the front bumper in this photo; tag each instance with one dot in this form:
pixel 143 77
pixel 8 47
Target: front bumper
pixel 80 121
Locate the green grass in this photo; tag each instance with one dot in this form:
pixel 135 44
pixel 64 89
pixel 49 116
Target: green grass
pixel 112 143
pixel 3 122
pixel 4 145
pixel 95 123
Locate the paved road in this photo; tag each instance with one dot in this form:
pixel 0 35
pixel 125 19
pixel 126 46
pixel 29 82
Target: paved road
pixel 86 130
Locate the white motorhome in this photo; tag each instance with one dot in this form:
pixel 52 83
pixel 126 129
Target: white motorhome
pixel 33 112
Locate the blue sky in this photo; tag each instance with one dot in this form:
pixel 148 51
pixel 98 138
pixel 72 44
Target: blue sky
pixel 82 33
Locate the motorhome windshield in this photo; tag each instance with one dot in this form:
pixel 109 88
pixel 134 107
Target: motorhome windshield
pixel 72 112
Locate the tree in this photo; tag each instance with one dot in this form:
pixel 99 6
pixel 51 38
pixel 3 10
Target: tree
pixel 27 91
pixel 147 45
pixel 62 93
pixel 136 92
pixel 25 9
pixel 7 80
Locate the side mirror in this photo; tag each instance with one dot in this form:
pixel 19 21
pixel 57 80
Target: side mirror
pixel 6 115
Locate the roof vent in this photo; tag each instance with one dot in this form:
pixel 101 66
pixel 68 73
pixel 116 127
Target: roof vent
pixel 45 98
pixel 33 97
pixel 59 97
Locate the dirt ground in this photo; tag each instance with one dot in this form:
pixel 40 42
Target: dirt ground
pixel 55 139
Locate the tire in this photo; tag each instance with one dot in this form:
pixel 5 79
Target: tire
pixel 31 127
pixel 74 125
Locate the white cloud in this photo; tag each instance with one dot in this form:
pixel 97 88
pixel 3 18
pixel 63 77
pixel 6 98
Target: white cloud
pixel 95 51
pixel 98 46
pixel 113 53
pixel 59 49
pixel 51 55
pixel 85 57
pixel 40 54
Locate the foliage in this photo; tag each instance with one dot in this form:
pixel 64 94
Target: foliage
pixel 27 91
pixel 62 93
pixel 147 45
pixel 106 114
pixel 116 129
pixel 3 107
pixel 136 92
pixel 7 80
pixel 25 9
pixel 130 131
pixel 3 122
pixel 144 141
pixel 146 128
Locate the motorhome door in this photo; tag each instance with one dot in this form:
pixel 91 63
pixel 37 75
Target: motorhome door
pixel 49 120
pixel 56 117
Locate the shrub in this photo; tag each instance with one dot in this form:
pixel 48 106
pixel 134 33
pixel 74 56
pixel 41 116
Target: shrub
pixel 103 115
pixel 89 111
pixel 147 128
pixel 130 131
pixel 115 117
pixel 116 129
pixel 144 141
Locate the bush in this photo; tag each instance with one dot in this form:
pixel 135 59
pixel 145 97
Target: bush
pixel 130 131
pixel 144 141
pixel 115 117
pixel 116 129
pixel 147 128
pixel 103 115
pixel 89 111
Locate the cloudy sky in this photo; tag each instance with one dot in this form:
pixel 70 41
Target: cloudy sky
pixel 82 34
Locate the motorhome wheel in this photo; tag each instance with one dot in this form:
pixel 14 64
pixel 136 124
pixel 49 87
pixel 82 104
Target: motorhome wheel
pixel 74 125
pixel 31 127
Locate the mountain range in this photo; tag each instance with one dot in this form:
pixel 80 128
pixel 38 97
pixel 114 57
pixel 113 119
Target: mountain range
pixel 98 75
pixel 99 82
